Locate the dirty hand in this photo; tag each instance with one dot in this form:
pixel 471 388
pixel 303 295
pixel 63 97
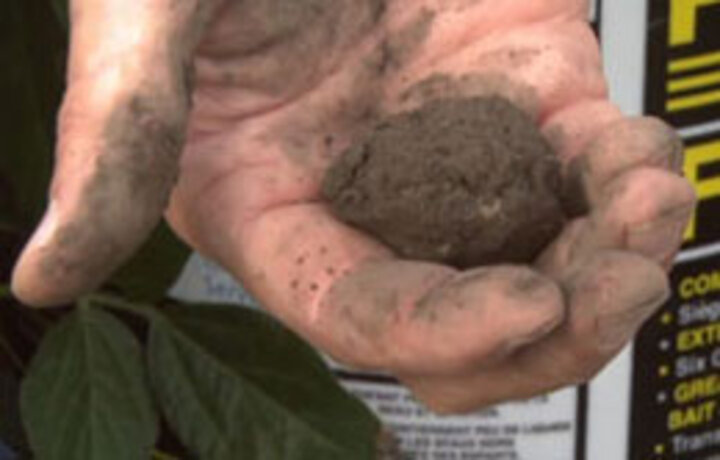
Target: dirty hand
pixel 225 114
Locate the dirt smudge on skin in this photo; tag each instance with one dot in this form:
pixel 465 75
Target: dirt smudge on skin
pixel 366 300
pixel 432 304
pixel 313 137
pixel 302 38
pixel 403 44
pixel 527 283
pixel 138 163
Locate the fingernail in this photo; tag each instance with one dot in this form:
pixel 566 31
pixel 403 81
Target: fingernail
pixel 543 330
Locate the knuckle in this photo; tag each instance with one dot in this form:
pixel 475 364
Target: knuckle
pixel 667 142
pixel 644 194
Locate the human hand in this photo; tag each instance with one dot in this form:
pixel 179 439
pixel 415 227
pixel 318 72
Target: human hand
pixel 280 89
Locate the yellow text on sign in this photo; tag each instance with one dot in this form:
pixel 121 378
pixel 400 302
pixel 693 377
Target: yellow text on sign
pixel 699 337
pixel 699 285
pixel 697 388
pixel 684 19
pixel 695 158
pixel 701 414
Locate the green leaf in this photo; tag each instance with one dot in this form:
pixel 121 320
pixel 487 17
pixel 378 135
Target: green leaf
pixel 152 270
pixel 86 394
pixel 235 384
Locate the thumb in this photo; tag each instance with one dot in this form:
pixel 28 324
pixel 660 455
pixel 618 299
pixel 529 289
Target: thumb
pixel 121 129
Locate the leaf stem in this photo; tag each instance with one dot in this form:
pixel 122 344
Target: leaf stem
pixel 5 291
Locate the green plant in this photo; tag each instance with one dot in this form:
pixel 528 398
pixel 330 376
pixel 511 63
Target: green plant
pixel 127 372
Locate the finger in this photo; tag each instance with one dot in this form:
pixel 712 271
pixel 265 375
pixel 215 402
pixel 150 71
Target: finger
pixel 623 145
pixel 349 296
pixel 568 130
pixel 609 298
pixel 466 320
pixel 120 131
pixel 644 210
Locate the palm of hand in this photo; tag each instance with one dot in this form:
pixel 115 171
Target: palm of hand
pixel 277 99
pixel 275 104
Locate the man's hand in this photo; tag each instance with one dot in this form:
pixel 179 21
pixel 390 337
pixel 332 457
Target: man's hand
pixel 280 89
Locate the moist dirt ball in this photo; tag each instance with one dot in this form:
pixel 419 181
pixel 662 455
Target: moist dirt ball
pixel 465 181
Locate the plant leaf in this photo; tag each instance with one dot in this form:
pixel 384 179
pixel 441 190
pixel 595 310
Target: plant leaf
pixel 234 383
pixel 86 395
pixel 152 270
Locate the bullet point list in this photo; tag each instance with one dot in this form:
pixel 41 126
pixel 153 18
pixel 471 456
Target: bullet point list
pixel 666 318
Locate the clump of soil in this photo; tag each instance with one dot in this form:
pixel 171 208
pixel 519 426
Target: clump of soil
pixel 464 181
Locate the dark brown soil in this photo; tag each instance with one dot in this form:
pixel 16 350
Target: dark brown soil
pixel 465 182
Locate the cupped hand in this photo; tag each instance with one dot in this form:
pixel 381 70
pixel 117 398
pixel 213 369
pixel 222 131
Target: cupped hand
pixel 224 115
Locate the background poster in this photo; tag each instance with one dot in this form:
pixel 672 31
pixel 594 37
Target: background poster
pixel 676 374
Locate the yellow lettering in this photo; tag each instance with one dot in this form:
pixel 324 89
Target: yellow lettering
pixel 695 158
pixel 704 413
pixel 684 18
pixel 686 288
pixel 695 389
pixel 700 285
pixel 695 101
pixel 694 62
pixel 693 82
pixel 691 339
